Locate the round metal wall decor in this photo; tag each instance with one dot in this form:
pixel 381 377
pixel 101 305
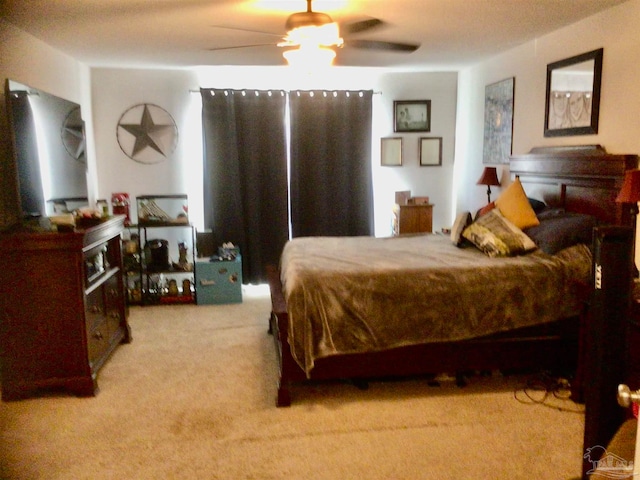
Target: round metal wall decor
pixel 72 135
pixel 147 133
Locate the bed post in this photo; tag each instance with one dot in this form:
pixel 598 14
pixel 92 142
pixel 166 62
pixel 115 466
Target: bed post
pixel 278 327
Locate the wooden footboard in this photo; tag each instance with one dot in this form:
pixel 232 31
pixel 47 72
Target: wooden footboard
pixel 552 347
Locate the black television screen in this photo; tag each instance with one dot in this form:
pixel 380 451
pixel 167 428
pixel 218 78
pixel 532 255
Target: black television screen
pixel 49 150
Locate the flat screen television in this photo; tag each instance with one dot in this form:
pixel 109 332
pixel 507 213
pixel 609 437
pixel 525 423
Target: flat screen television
pixel 49 150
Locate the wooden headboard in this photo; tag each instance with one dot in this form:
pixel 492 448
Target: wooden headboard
pixel 583 179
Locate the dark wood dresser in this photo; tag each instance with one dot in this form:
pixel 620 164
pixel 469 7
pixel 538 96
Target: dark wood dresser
pixel 62 308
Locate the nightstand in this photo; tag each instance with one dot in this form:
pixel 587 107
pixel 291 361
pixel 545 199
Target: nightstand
pixel 412 219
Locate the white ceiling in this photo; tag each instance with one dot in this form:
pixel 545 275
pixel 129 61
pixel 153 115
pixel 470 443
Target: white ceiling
pixel 180 33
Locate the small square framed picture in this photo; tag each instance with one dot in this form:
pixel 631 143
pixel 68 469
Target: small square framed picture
pixel 431 151
pixel 412 116
pixel 391 152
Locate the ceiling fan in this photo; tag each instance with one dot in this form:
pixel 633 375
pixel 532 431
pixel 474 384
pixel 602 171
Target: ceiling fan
pixel 313 37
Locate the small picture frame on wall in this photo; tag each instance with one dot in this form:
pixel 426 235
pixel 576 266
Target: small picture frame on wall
pixel 412 116
pixel 391 152
pixel 431 151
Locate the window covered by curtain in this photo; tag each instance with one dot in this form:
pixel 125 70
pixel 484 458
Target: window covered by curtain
pixel 331 186
pixel 245 174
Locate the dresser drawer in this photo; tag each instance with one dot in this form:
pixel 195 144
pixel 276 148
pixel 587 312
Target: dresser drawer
pixel 94 308
pixel 98 340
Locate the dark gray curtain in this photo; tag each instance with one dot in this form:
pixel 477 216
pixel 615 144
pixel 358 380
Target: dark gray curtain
pixel 330 160
pixel 245 174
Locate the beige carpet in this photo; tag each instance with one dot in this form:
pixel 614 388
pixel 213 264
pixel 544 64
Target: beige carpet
pixel 193 398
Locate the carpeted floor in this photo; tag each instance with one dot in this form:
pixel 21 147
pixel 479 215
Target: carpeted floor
pixel 193 398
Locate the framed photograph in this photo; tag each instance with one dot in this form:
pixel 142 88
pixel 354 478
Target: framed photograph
pixel 431 151
pixel 498 121
pixel 573 95
pixel 391 152
pixel 412 116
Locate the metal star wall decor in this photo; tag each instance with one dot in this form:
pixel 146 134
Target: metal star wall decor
pixel 147 133
pixel 73 135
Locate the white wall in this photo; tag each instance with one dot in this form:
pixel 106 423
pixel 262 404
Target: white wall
pixel 115 90
pixel 615 30
pixel 434 182
pixel 29 61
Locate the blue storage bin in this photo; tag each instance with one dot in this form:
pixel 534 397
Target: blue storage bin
pixel 218 282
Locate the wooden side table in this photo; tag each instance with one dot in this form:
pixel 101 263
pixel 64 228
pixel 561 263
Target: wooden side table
pixel 413 219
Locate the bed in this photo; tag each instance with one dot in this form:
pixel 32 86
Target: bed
pixel 364 307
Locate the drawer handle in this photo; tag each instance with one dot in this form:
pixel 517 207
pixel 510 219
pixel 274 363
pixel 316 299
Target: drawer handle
pixel 115 315
pixel 222 271
pixel 98 335
pixel 94 309
pixel 206 283
pixel 113 292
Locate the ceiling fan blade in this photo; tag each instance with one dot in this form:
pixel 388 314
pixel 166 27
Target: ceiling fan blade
pixel 360 26
pixel 242 46
pixel 247 30
pixel 378 45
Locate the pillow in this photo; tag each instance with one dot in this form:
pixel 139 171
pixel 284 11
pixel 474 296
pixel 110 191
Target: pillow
pixel 498 237
pixel 486 209
pixel 463 220
pixel 537 205
pixel 514 205
pixel 562 230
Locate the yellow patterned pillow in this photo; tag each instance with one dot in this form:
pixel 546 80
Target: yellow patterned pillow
pixel 498 237
pixel 515 206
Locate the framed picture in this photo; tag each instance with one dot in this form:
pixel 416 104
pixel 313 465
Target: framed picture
pixel 412 116
pixel 391 152
pixel 573 95
pixel 498 121
pixel 431 151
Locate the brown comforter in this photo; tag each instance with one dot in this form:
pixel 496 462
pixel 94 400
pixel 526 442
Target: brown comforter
pixel 354 294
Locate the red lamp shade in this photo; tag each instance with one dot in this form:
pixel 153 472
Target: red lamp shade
pixel 630 191
pixel 489 177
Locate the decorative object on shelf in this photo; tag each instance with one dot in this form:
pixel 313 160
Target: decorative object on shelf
pixel 163 210
pixel 489 177
pixel 498 121
pixel 120 206
pixel 183 264
pixel 186 287
pixel 391 152
pixel 412 116
pixel 172 287
pixel 431 152
pixel 147 133
pixel 150 211
pixel 630 194
pixel 157 255
pixel 573 95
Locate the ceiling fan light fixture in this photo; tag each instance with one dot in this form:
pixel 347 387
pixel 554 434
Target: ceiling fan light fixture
pixel 327 35
pixel 310 56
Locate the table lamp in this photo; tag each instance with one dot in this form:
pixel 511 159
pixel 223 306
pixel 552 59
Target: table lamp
pixel 489 177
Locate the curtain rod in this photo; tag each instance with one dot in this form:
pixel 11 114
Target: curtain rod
pixel 286 91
